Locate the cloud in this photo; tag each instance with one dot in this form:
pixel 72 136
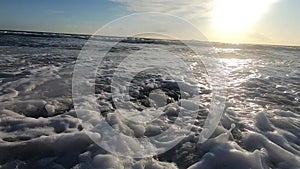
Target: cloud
pixel 196 12
pixel 261 37
pixel 56 11
pixel 187 9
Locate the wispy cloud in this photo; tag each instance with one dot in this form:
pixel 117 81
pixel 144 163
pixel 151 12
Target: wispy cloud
pixel 187 9
pixel 56 11
pixel 260 37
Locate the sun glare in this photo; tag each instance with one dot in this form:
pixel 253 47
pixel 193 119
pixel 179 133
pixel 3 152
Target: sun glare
pixel 236 15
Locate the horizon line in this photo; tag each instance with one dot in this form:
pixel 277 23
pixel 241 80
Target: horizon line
pixel 87 34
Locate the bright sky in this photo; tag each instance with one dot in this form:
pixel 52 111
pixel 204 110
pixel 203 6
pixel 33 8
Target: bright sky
pixel 233 21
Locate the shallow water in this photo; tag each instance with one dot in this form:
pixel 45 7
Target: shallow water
pixel 39 128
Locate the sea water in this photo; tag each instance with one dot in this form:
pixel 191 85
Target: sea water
pixel 39 127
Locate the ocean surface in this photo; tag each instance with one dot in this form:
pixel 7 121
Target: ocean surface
pixel 40 127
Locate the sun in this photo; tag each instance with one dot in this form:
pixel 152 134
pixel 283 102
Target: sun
pixel 237 15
